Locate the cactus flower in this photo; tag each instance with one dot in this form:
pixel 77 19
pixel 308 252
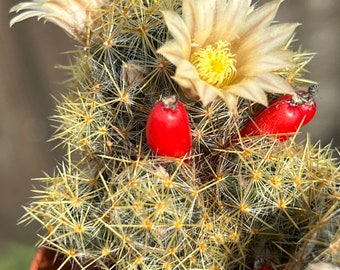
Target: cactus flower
pixel 228 49
pixel 74 16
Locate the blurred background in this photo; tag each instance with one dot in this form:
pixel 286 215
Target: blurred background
pixel 28 78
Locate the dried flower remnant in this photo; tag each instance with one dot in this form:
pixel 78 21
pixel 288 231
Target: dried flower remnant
pixel 228 50
pixel 74 16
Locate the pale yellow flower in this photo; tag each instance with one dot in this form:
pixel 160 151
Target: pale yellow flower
pixel 228 49
pixel 74 16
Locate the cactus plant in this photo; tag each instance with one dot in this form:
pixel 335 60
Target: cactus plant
pixel 253 202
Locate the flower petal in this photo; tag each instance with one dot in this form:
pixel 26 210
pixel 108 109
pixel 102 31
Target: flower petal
pixel 264 63
pixel 273 38
pixel 199 18
pixel 179 31
pixel 206 92
pixel 273 83
pixel 74 16
pixel 249 89
pixel 261 17
pixel 173 52
pixel 186 76
pixel 230 101
pixel 231 19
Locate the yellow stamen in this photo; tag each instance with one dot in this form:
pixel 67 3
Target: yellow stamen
pixel 215 64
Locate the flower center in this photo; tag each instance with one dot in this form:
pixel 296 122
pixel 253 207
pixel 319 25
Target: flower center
pixel 215 64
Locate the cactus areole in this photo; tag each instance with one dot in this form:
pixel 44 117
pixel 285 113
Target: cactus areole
pixel 284 116
pixel 167 129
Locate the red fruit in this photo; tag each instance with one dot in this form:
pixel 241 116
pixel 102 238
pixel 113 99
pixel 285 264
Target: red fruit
pixel 265 268
pixel 167 129
pixel 284 116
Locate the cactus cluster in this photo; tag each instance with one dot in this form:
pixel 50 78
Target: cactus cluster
pixel 233 203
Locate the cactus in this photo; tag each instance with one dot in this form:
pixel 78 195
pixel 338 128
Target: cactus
pixel 234 202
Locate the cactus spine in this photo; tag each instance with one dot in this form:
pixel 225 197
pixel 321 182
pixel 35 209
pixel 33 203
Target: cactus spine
pixel 114 204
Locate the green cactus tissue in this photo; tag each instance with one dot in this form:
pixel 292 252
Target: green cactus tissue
pixel 233 188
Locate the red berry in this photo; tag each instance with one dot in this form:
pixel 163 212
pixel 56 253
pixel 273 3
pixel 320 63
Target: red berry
pixel 167 129
pixel 284 116
pixel 265 268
